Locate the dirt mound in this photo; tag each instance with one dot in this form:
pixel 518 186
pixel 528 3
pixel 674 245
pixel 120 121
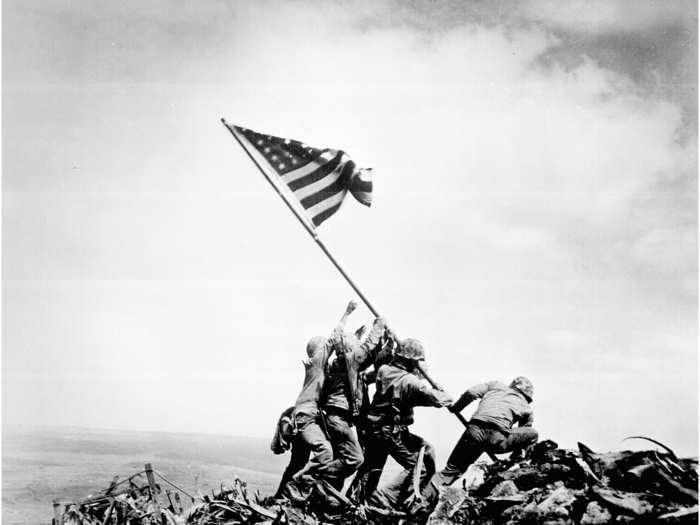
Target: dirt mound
pixel 550 486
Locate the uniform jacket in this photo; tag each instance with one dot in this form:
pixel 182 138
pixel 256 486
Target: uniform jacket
pixel 398 392
pixel 500 405
pixel 344 389
pixel 314 377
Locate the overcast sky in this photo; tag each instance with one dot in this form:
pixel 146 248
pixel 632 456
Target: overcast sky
pixel 535 207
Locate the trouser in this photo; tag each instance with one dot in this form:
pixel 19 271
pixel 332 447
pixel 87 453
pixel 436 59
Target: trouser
pixel 300 456
pixel 475 440
pixel 404 447
pixel 346 449
pixel 310 439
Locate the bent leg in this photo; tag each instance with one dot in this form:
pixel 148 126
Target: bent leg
pixel 405 449
pixel 521 438
pixel 369 473
pixel 300 456
pixel 467 450
pixel 319 445
pixel 312 436
pixel 347 450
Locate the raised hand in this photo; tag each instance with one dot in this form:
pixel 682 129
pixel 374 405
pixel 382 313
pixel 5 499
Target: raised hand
pixel 352 305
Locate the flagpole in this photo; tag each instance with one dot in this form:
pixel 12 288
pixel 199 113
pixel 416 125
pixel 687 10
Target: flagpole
pixel 315 237
pixel 304 223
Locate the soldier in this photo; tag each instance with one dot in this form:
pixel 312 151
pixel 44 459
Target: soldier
pixel 490 428
pixel 310 437
pixel 344 397
pixel 399 388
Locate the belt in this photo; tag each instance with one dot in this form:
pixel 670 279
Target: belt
pixel 337 411
pixel 487 425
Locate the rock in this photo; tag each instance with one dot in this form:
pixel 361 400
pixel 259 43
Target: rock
pixel 555 487
pixel 451 498
pixel 475 476
pixel 558 503
pixel 624 502
pixel 595 514
pixel 688 512
pixel 505 488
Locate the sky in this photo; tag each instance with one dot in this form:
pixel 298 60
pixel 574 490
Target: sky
pixel 535 207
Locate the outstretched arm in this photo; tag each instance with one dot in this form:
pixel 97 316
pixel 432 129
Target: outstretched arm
pixel 340 327
pixel 365 354
pixel 470 395
pixel 424 395
pixel 321 358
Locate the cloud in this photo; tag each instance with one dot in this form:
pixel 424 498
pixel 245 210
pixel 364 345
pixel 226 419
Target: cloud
pixel 530 216
pixel 604 16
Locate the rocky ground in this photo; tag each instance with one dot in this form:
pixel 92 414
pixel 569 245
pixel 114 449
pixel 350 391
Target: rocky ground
pixel 550 486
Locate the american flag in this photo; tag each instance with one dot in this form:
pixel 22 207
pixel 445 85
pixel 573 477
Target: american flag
pixel 318 178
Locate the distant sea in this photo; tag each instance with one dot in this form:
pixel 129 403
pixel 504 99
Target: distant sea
pixel 40 464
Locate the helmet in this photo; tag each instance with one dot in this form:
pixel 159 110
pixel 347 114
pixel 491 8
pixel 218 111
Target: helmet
pixel 315 344
pixel 524 386
pixel 411 349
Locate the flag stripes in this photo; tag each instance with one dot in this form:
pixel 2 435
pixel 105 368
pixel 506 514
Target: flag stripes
pixel 318 178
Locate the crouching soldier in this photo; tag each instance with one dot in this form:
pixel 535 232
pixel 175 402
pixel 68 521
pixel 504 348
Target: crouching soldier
pixel 310 437
pixel 399 388
pixel 490 428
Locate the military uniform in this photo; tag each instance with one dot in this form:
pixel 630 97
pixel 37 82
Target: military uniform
pixel 490 428
pixel 390 415
pixel 310 437
pixel 344 393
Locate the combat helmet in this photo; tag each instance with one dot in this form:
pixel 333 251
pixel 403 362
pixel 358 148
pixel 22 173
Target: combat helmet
pixel 411 349
pixel 315 344
pixel 523 385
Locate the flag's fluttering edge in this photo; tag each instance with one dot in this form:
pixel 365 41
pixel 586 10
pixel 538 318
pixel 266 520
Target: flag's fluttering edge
pixel 318 178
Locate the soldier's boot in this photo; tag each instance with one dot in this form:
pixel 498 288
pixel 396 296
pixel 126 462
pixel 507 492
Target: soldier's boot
pixel 299 489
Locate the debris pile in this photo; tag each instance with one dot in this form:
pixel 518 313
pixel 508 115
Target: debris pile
pixel 557 486
pixel 549 486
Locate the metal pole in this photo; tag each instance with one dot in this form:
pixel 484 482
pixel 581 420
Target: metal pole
pixel 438 387
pixel 459 416
pixel 57 513
pixel 304 223
pixel 314 236
pixel 153 489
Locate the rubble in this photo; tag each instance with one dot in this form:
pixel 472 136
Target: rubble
pixel 549 486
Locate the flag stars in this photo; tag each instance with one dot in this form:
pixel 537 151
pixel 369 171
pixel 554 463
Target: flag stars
pixel 281 166
pixel 274 157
